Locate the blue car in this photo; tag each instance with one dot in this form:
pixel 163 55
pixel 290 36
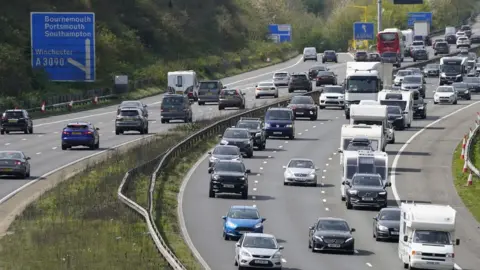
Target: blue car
pixel 241 219
pixel 280 122
pixel 80 134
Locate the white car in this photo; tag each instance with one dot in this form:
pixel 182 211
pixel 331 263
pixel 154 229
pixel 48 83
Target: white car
pixel 460 34
pixel 258 250
pixel 332 96
pixel 281 78
pixel 398 78
pixel 463 42
pixel 445 94
pixel 266 89
pixel 300 171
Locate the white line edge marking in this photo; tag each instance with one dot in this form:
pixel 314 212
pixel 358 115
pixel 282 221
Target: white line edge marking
pixel 399 154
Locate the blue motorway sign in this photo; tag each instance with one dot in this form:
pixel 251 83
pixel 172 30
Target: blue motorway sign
pixel 63 44
pixel 363 31
pixel 419 17
pixel 280 32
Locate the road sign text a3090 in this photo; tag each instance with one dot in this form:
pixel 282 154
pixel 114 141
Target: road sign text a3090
pixel 63 44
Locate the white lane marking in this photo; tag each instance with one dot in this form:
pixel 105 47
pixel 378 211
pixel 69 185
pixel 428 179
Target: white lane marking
pixel 400 152
pixel 254 205
pixel 334 153
pixel 261 168
pixel 258 174
pixel 286 141
pixel 154 122
pixel 254 189
pixel 369 264
pixel 314 126
pixel 275 151
pixel 256 182
pixel 306 130
pixel 7 143
pixel 100 123
pixel 321 123
pixel 336 117
pixel 299 133
pixel 40 135
pixel 53 148
pixel 324 170
pixel 265 162
pixel 323 176
pixel 324 200
pixel 113 120
pixel 24 139
pixel 326 164
pixel 113 131
pixel 269 156
pixel 39 153
pixel 283 260
pixel 326 209
pixel 280 146
pixel 329 158
pixel 323 191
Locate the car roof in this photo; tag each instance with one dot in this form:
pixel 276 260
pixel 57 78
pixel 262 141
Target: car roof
pixel 391 209
pixel 80 123
pixel 279 109
pixel 225 146
pixel 244 207
pixel 281 72
pixel 259 235
pixel 302 159
pixel 15 110
pixel 130 101
pixel 235 128
pixel 126 109
pixel 228 161
pixel 331 218
pixel 269 82
pixel 172 95
pixel 367 174
pixel 11 151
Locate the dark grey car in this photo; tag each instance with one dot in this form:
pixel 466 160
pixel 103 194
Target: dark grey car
pixel 420 54
pixel 239 137
pixel 386 224
pixel 442 48
pixel 176 107
pixel 432 70
pixel 231 98
pixel 473 83
pixel 224 152
pixel 209 91
pixel 131 119
pixel 462 90
pixel 391 57
pixel 16 120
pixel 133 104
pixel 256 128
pixel 14 163
pixel 414 82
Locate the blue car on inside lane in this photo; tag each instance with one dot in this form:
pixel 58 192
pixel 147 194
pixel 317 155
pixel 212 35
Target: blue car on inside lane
pixel 80 134
pixel 241 219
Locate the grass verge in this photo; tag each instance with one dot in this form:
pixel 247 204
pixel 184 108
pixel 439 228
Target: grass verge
pixel 81 224
pixel 469 194
pixel 166 192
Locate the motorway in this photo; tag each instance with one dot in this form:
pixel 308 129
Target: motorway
pixel 291 210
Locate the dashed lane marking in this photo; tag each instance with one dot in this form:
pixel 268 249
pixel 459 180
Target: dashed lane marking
pixel 24 139
pixel 40 135
pixel 369 264
pixel 306 130
pixel 323 191
pixel 265 162
pixel 324 200
pixel 53 148
pixel 329 158
pixel 254 189
pixel 283 260
pixel 280 146
pixel 256 182
pixel 326 209
pixel 299 133
pixel 7 143
pixel 314 126
pixel 355 251
pixel 323 176
pixel 254 197
pixel 326 164
pixel 261 168
pixel 39 153
pixel 258 174
pixel 254 205
pixel 324 170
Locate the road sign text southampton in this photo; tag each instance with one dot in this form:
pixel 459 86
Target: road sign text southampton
pixel 63 44
pixel 363 31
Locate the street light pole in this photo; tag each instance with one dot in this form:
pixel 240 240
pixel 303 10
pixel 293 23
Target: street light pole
pixel 379 16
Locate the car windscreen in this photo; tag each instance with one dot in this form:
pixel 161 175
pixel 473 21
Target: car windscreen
pixel 229 92
pixel 332 225
pixel 280 75
pixel 259 242
pixel 431 237
pixel 129 113
pixel 11 155
pixel 229 167
pixel 329 53
pixel 15 115
pixel 403 73
pixel 441 45
pixel 418 43
pixel 279 115
pixel 389 215
pixel 325 74
pixel 361 53
pixel 309 51
pixel 301 100
pixel 299 78
pixel 460 85
pixel 389 54
pixel 399 103
pixel 130 104
pixel 248 125
pixel 337 90
pixel 266 85
pixel 305 164
pixel 77 126
pixel 228 151
pixel 208 85
pixel 412 79
pixel 367 180
pixel 432 66
pixel 236 133
pixel 444 89
pixel 172 101
pixel 351 145
pixel 243 214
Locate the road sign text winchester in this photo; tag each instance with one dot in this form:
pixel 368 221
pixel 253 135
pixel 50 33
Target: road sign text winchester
pixel 63 44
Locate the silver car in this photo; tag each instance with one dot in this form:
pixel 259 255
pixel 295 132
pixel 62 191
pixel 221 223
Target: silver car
pixel 224 152
pixel 300 171
pixel 14 163
pixel 281 78
pixel 398 78
pixel 258 250
pixel 133 104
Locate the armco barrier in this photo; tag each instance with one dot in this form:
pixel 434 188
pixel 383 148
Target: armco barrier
pixel 472 137
pixel 160 162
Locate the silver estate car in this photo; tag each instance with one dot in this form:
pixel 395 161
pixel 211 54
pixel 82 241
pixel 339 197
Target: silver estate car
pixel 300 171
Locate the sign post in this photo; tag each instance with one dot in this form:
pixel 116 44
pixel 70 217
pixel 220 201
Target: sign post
pixel 63 44
pixel 419 17
pixel 280 32
pixel 363 31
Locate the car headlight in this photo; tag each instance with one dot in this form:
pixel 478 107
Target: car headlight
pixel 341 97
pixel 230 224
pixel 213 159
pixel 289 126
pixel 420 107
pixel 312 175
pixel 466 91
pixel 216 177
pixel 349 239
pixel 443 75
pixel 288 173
pixel 245 254
pixel 246 142
pixel 277 255
pixel 259 225
pixel 416 253
pixel 223 142
pixel 319 238
pixel 459 75
pixel 382 193
pixel 382 228
pixel 352 192
pixel 451 96
pixel 450 255
pixel 242 178
pixel 267 125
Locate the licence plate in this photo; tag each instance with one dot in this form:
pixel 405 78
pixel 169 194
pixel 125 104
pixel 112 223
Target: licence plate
pixel 300 113
pixel 433 263
pixel 277 132
pixel 6 170
pixel 261 262
pixel 12 121
pixel 229 186
pixel 394 233
pixel 76 133
pixel 299 179
pixel 367 199
pixel 334 245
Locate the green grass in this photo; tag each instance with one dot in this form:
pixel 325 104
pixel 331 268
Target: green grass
pixel 166 191
pixel 469 194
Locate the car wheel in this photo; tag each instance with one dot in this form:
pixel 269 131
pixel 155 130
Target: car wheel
pixel 92 146
pixel 309 245
pixel 146 130
pixel 393 139
pixel 64 147
pixel 30 130
pixel 321 107
pixel 342 198
pixel 2 132
pixel 220 108
pixel 142 131
pixel 97 145
pixel 314 118
pixel 235 262
pixel 348 204
pixel 351 252
pixel 312 247
pixel 469 97
pixel 225 236
pixel 162 121
pixel 291 137
pixel 257 97
pixel 250 155
pixel 245 194
pixel 28 173
pixel 117 132
pixel 25 131
pixel 435 102
pixel 455 102
pixel 211 193
pixel 424 115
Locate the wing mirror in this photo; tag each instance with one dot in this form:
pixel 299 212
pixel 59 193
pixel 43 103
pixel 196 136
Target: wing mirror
pixel 209 152
pixel 243 94
pixel 224 218
pixel 405 238
pixel 310 228
pixel 28 158
pixel 145 105
pixel 263 219
pixel 434 91
pixel 284 167
pixel 280 247
pixel 344 183
pixel 340 150
pixel 210 170
pixel 388 184
pixel 237 244
pixel 97 128
pixel 457 242
pixel 224 87
pixel 258 135
pixel 248 171
pixel 352 230
pixel 374 218
pixel 316 168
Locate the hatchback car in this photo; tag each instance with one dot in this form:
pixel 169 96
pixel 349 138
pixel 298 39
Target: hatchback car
pixel 391 57
pixel 361 56
pixel 431 70
pixel 258 250
pixel 300 171
pixel 326 77
pixel 241 219
pixel 312 72
pixel 133 104
pixel 442 48
pixel 176 107
pixel 374 57
pixel 299 82
pixel 463 42
pixel 209 91
pixel 14 163
pixel 256 128
pixel 228 176
pixel 16 120
pixel 445 94
pixel 386 224
pixel 266 89
pixel 224 152
pixel 281 78
pixel 80 134
pixel 239 137
pixel 462 90
pixel 329 56
pixel 231 98
pixel 419 54
pixel 304 106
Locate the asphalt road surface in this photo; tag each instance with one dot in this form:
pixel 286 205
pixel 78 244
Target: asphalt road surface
pixel 291 210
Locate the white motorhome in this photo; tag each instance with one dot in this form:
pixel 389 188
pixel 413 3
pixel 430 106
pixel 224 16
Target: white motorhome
pixel 402 99
pixel 363 162
pixel 374 134
pixel 364 80
pixel 370 115
pixel 427 236
pixel 369 102
pixel 183 82
pixel 408 41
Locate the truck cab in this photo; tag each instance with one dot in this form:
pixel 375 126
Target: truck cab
pixel 427 236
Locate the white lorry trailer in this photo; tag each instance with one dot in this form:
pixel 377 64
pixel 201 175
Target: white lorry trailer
pixel 364 80
pixel 427 236
pixel 421 28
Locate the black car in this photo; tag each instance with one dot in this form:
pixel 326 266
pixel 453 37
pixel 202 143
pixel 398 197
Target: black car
pixel 451 39
pixel 299 82
pixel 256 128
pixel 462 90
pixel 419 105
pixel 228 176
pixel 366 190
pixel 326 78
pixel 473 83
pixel 231 98
pixel 224 152
pixel 361 56
pixel 374 57
pixel 432 70
pixel 16 120
pixel 304 106
pixel 391 57
pixel 241 138
pixel 312 72
pixel 331 234
pixel 475 39
pixel 395 117
pixel 175 107
pixel 386 224
pixel 329 56
pixel 419 54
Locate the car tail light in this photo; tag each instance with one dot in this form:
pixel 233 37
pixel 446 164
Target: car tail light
pixel 258 89
pixel 87 133
pixel 18 162
pixel 66 133
pixel 190 94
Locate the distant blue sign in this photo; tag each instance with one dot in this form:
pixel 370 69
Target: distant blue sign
pixel 363 31
pixel 280 32
pixel 419 17
pixel 63 44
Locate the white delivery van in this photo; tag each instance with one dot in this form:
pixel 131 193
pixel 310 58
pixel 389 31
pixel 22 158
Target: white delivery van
pixel 450 30
pixel 402 99
pixel 183 82
pixel 427 236
pixel 310 53
pixel 363 162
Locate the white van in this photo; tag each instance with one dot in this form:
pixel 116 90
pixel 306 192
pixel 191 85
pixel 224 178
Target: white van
pixel 310 53
pixel 402 99
pixel 183 83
